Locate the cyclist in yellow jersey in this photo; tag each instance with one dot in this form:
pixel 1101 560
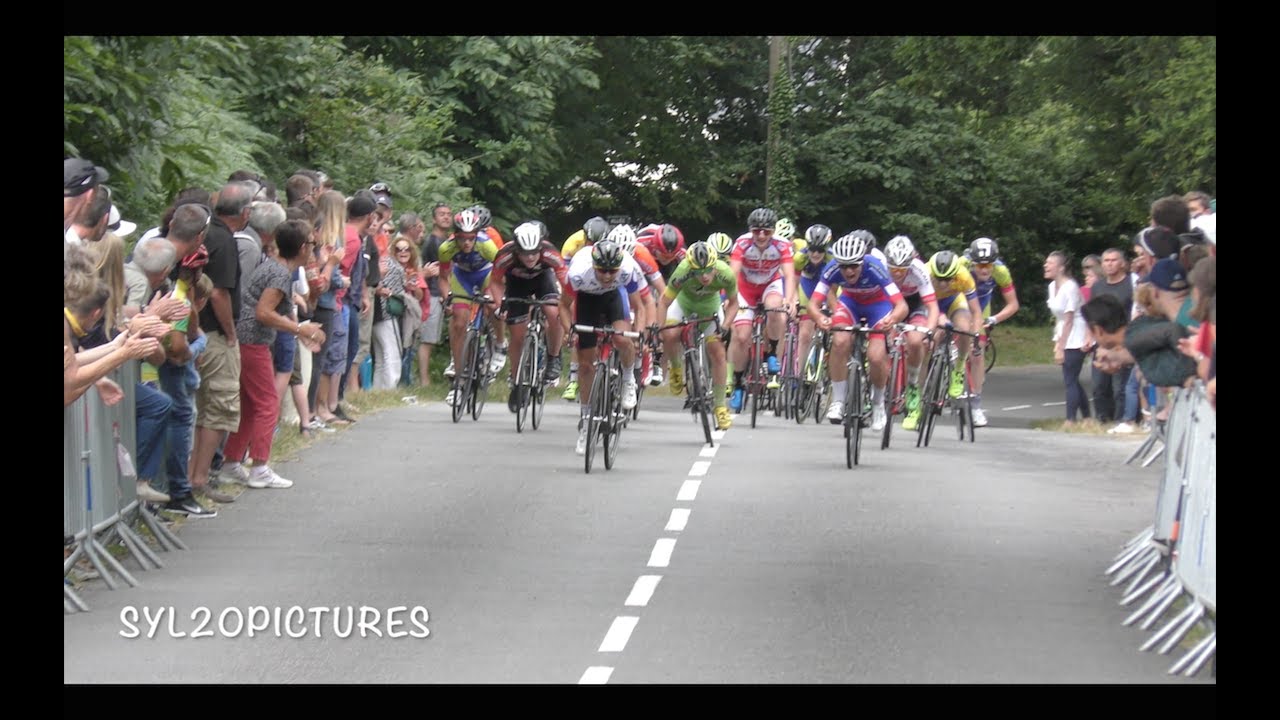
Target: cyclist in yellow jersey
pixel 811 253
pixel 592 232
pixel 950 281
pixel 983 261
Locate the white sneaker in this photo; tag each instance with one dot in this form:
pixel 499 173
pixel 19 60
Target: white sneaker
pixel 878 417
pixel 448 399
pixel 628 396
pixel 581 448
pixel 656 377
pixel 835 414
pixel 265 477
pixel 449 371
pixel 498 361
pixel 1123 428
pixel 234 472
pixel 979 418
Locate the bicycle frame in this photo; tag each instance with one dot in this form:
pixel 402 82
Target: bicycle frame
pixel 606 417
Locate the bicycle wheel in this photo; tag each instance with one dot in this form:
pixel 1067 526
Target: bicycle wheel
pixel 928 400
pixel 634 413
pixel 523 384
pixel 699 394
pixel 614 414
pixel 481 376
pixel 595 401
pixel 462 385
pixel 941 387
pixel 989 352
pixel 538 393
pixel 894 396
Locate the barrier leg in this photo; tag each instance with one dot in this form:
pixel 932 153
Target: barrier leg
pixel 1135 593
pixel 137 548
pixel 1196 657
pixel 1137 541
pixel 1154 456
pixel 1141 564
pixel 1175 628
pixel 69 594
pixel 1145 447
pixel 166 539
pixel 1126 558
pixel 115 565
pixel 1167 591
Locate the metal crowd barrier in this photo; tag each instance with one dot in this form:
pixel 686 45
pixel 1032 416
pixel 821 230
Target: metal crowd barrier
pixel 1176 557
pixel 100 495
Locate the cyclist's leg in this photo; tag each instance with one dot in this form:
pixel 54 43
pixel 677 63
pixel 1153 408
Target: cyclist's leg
pixel 458 322
pixel 963 320
pixel 838 361
pixel 671 345
pixel 776 323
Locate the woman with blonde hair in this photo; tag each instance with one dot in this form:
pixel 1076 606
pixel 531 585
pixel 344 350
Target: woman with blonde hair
pixel 330 224
pixel 108 256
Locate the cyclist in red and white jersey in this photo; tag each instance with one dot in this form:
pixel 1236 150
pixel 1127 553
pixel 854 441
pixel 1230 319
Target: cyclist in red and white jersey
pixel 765 271
pixel 913 278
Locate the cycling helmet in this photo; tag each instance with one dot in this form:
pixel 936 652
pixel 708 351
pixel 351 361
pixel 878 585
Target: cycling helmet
pixel 722 243
pixel 625 238
pixel 784 229
pixel 850 249
pixel 944 264
pixel 528 237
pixel 606 255
pixel 542 229
pixel 701 256
pixel 467 221
pixel 984 250
pixel 596 228
pixel 819 237
pixel 671 237
pixel 900 251
pixel 482 212
pixel 762 218
pixel 867 237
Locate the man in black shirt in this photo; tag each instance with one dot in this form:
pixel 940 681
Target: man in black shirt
pixel 1108 388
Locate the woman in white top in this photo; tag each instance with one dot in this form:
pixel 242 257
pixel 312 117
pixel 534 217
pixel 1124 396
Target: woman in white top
pixel 1069 333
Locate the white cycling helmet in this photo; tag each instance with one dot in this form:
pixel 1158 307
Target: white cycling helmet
pixel 528 237
pixel 850 249
pixel 467 221
pixel 625 237
pixel 900 251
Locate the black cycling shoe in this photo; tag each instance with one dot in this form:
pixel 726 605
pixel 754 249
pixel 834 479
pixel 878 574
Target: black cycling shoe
pixel 513 400
pixel 553 369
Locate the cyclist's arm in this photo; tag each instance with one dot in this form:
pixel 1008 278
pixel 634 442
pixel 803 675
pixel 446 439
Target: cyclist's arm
pixel 731 308
pixel 1010 304
pixel 497 287
pixel 975 310
pixel 931 306
pixel 789 283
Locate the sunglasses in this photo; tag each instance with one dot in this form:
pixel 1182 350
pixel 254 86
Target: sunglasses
pixel 608 271
pixel 850 266
pixel 757 231
pixel 402 248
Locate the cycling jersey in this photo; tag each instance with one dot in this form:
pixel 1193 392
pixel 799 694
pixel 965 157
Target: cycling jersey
pixel 583 278
pixel 506 263
pixel 696 298
pixel 961 283
pixel 874 284
pixel 575 243
pixel 761 266
pixel 918 281
pixel 471 269
pixel 1000 277
pixel 807 272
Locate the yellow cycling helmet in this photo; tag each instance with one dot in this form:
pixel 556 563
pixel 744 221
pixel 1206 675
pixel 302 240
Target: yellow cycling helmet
pixel 701 256
pixel 944 264
pixel 722 243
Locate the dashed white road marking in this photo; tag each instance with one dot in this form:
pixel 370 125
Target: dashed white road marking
pixel 699 468
pixel 689 490
pixel 717 434
pixel 679 517
pixel 596 675
pixel 661 555
pixel 643 590
pixel 1016 407
pixel 709 451
pixel 1064 402
pixel 619 632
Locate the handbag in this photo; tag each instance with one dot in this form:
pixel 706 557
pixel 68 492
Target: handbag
pixel 395 305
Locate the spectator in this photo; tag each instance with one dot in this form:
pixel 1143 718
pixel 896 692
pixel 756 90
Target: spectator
pixel 267 306
pixel 1069 332
pixel 405 252
pixel 218 400
pixel 374 249
pixel 198 196
pixel 1199 206
pixel 1203 348
pixel 1091 269
pixel 327 365
pixel 90 223
pixel 433 317
pixel 386 323
pixel 264 218
pixel 300 189
pixel 1153 340
pixel 359 261
pixel 80 182
pixel 1172 292
pixel 1109 388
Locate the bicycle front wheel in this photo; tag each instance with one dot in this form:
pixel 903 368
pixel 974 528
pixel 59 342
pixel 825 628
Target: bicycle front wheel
pixel 523 384
pixel 698 393
pixel 596 403
pixel 895 397
pixel 853 419
pixel 614 415
pixel 538 393
pixel 989 352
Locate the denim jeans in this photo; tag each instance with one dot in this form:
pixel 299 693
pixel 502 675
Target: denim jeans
pixel 1109 394
pixel 1131 405
pixel 1077 400
pixel 173 378
pixel 152 414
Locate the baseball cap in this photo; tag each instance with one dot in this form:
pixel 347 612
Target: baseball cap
pixel 1158 242
pixel 383 199
pixel 359 206
pixel 80 176
pixel 1168 275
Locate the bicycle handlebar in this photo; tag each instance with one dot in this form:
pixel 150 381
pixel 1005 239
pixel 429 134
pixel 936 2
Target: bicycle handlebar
pixel 606 331
pixel 957 331
pixel 531 301
pixel 853 328
pixel 483 299
pixel 908 327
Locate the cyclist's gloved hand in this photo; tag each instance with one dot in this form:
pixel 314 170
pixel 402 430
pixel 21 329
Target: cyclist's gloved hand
pixel 725 335
pixel 991 322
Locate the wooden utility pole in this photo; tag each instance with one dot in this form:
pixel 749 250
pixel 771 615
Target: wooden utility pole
pixel 775 61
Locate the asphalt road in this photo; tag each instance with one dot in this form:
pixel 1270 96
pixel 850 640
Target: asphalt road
pixel 763 561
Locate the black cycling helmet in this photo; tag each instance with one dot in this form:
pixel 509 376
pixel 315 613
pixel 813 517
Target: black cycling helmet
pixel 762 218
pixel 819 237
pixel 606 255
pixel 984 250
pixel 595 228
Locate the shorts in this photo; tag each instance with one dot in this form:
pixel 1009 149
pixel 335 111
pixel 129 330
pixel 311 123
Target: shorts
pixel 917 312
pixel 751 295
pixel 431 327
pixel 850 313
pixel 218 399
pixel 543 287
pixel 597 311
pixel 676 313
pixel 282 352
pixel 950 308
